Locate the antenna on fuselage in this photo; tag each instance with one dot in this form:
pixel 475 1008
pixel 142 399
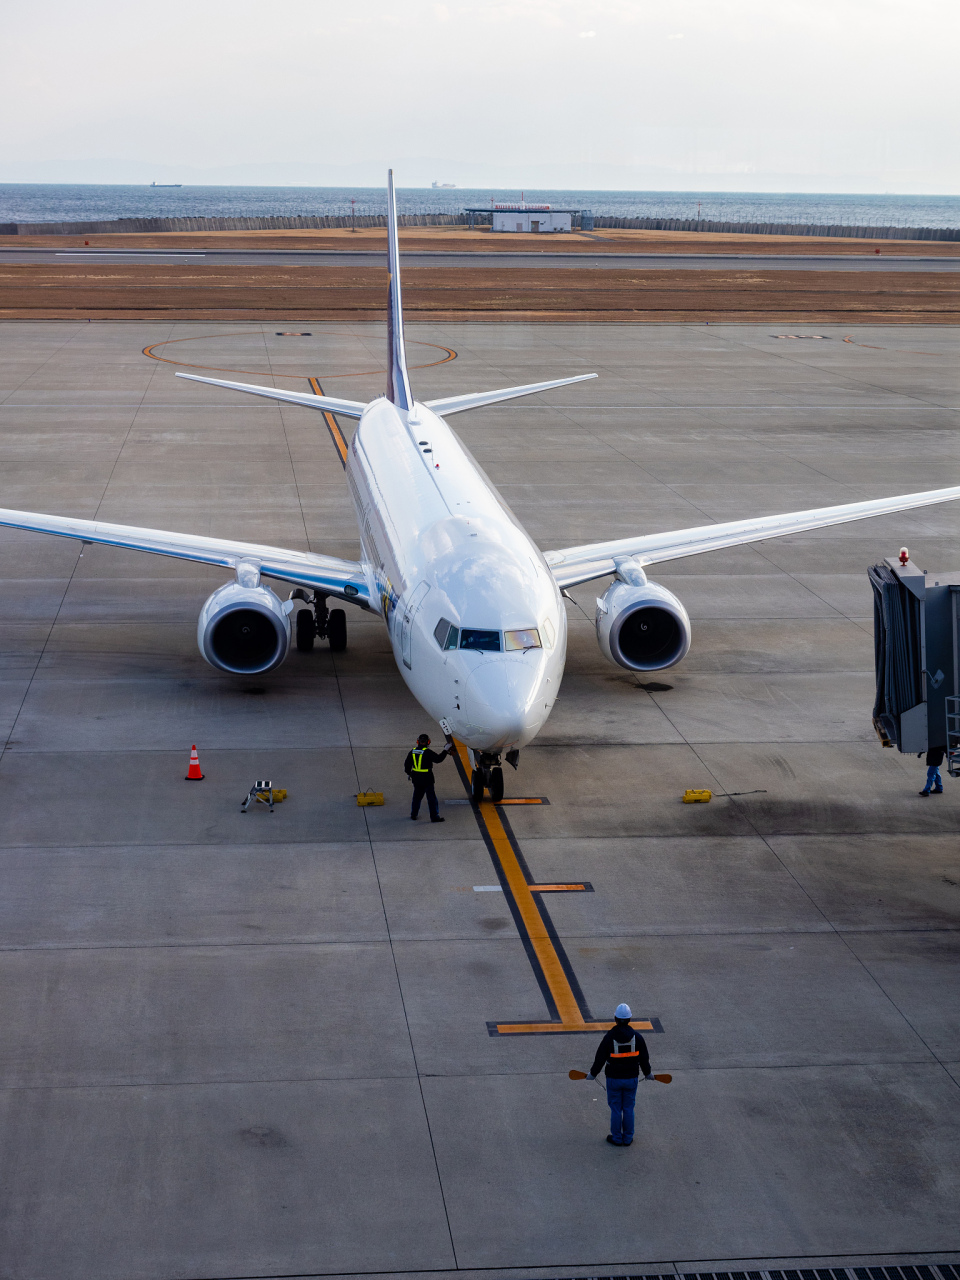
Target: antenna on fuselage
pixel 398 381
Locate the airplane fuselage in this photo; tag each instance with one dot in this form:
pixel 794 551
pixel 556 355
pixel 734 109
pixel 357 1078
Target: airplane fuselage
pixel 474 614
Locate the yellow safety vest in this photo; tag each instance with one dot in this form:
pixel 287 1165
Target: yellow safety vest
pixel 418 766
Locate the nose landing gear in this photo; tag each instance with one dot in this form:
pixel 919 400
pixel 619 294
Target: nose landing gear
pixel 488 775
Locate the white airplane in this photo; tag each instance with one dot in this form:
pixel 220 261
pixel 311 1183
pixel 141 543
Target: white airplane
pixel 472 606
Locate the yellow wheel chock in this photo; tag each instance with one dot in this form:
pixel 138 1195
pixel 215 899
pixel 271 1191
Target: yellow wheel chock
pixel 697 795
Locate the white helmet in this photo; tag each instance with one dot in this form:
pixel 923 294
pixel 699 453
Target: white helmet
pixel 623 1011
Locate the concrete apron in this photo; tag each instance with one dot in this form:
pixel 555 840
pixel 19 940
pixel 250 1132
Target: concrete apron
pixel 259 1044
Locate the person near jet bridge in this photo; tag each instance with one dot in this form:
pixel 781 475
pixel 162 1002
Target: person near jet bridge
pixel 623 1052
pixel 408 475
pixel 419 769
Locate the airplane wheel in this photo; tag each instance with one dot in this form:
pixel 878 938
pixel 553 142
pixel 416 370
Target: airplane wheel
pixel 306 630
pixel 337 630
pixel 496 784
pixel 476 785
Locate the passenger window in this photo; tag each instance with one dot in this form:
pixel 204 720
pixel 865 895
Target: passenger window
pixel 528 639
pixel 486 641
pixel 446 634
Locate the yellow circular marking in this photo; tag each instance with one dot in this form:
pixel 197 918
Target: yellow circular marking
pixel 267 373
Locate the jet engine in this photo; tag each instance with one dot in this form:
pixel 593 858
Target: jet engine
pixel 641 625
pixel 244 629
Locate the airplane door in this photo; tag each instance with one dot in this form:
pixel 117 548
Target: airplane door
pixel 406 624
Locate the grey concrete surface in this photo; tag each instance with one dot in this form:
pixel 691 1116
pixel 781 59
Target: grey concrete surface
pixel 723 1125
pixel 257 1045
pixel 865 261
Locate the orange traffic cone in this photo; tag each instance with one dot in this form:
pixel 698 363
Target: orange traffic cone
pixel 193 773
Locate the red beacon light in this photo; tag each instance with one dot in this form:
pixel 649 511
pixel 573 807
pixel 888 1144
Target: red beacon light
pixel 904 555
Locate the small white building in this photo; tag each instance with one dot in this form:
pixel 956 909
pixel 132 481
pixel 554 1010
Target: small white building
pixel 530 217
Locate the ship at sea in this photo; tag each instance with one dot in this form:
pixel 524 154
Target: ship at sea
pixel 166 184
pixel 444 186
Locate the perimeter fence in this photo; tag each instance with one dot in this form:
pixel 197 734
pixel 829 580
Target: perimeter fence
pixel 311 222
pixel 781 228
pixel 303 222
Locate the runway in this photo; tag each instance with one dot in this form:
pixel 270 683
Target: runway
pixel 868 261
pixel 321 1042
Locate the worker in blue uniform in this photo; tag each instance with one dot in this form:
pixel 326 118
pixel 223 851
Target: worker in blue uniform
pixel 419 769
pixel 934 782
pixel 623 1054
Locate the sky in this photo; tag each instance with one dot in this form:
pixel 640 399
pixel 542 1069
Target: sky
pixel 735 95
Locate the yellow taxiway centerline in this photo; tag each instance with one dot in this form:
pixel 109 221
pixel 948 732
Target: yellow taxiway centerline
pixel 336 435
pixel 536 931
pixel 571 1019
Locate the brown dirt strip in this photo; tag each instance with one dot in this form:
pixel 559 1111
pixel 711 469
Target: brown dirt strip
pixel 461 240
pixel 188 291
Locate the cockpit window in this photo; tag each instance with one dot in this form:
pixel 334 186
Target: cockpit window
pixel 527 639
pixel 487 641
pixel 446 634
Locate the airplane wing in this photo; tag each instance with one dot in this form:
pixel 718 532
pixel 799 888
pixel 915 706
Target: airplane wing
pixel 457 404
pixel 573 565
pixel 349 408
pixel 343 578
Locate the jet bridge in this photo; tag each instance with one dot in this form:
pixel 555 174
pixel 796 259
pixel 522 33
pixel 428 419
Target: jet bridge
pixel 916 631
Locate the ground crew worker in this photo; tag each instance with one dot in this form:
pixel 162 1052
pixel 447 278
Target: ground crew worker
pixel 419 769
pixel 624 1054
pixel 934 782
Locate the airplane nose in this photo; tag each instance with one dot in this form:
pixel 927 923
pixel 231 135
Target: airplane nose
pixel 504 696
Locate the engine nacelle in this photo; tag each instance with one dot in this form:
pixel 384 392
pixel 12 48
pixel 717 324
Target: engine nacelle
pixel 641 625
pixel 244 629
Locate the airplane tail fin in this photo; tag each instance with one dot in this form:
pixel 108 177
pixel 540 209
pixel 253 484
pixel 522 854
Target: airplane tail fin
pixel 398 381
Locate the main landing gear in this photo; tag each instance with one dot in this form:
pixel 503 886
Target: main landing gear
pixel 488 775
pixel 319 621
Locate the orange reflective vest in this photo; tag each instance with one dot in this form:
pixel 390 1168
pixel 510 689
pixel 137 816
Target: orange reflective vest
pixel 625 1048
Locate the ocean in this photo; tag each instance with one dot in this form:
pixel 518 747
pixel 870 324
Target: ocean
pixel 23 202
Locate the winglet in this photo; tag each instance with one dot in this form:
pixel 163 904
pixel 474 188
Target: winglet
pixel 398 383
